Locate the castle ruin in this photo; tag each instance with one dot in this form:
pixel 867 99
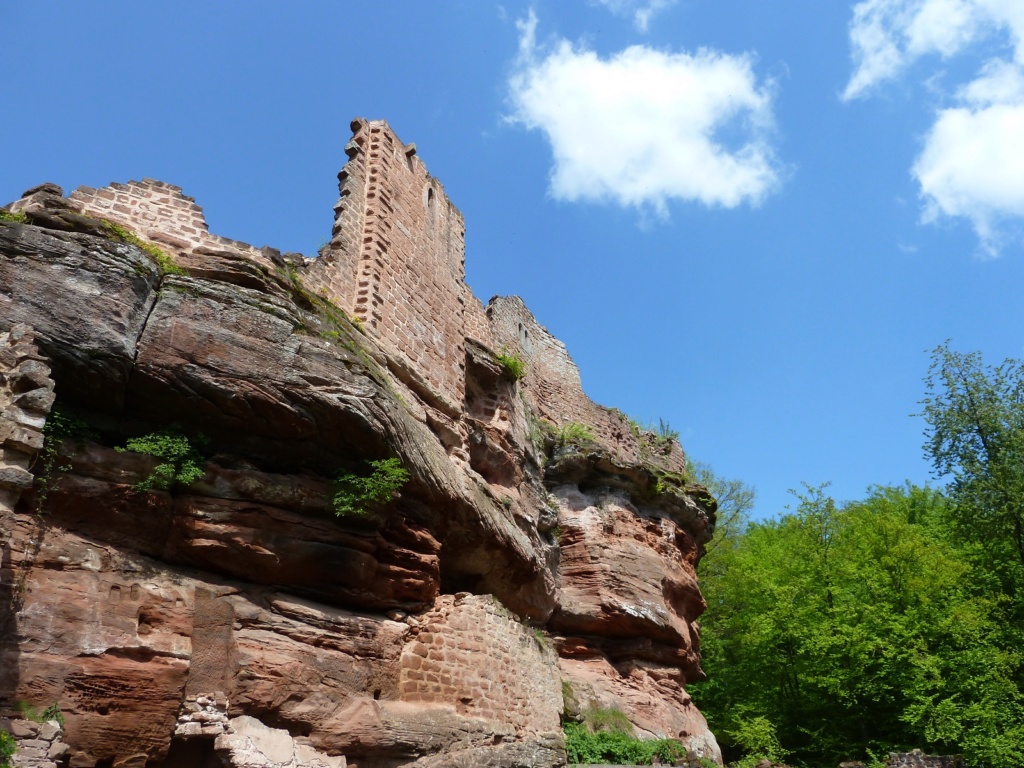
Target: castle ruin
pixel 396 262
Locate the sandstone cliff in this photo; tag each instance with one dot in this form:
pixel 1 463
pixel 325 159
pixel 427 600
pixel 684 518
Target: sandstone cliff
pixel 526 566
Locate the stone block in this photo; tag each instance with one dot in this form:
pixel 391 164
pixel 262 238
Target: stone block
pixel 15 477
pixel 58 751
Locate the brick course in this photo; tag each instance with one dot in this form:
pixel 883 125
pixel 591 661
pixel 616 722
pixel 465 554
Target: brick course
pixel 473 653
pixel 161 213
pixel 408 250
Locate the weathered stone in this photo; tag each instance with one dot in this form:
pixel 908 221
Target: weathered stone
pixel 58 751
pixel 142 613
pixel 16 477
pixel 49 730
pixel 24 729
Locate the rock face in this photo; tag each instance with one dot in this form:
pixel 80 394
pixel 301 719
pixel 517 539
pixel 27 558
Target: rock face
pixel 540 558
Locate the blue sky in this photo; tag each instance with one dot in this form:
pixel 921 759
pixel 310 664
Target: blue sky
pixel 750 219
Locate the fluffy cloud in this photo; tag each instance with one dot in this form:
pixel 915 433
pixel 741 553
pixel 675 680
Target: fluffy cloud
pixel 640 10
pixel 645 126
pixel 887 35
pixel 973 159
pixel 972 162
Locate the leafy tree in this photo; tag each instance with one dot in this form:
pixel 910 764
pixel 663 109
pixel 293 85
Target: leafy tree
pixel 838 632
pixel 735 501
pixel 975 437
pixel 181 463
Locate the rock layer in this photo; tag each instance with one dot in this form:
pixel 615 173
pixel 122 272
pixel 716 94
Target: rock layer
pixel 525 563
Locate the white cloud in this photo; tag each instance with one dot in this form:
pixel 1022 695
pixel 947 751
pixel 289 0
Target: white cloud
pixel 972 162
pixel 645 126
pixel 973 166
pixel 888 35
pixel 640 10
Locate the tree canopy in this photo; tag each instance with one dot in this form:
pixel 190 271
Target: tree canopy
pixel 842 631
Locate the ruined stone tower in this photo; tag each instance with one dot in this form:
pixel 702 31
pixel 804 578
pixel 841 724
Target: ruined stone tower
pixel 397 256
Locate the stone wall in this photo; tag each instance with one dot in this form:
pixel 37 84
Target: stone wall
pixel 161 213
pixel 396 260
pixel 409 280
pixel 40 745
pixel 553 384
pixel 473 652
pixel 204 730
pixel 26 396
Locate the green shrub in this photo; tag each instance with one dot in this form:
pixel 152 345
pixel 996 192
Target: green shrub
pixel 59 425
pixel 8 746
pixel 513 366
pixel 15 217
pixel 588 747
pixel 353 495
pixel 570 704
pixel 52 712
pixel 758 739
pixel 662 431
pixel 540 431
pixel 574 433
pixel 182 463
pixel 665 431
pixel 608 719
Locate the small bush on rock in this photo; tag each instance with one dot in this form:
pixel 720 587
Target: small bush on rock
pixel 574 433
pixel 182 463
pixel 354 495
pixel 15 217
pixel 52 712
pixel 512 365
pixel 164 262
pixel 8 746
pixel 587 747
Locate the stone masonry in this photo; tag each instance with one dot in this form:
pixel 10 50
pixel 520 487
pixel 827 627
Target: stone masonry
pixel 26 396
pixel 160 213
pixel 404 240
pixel 40 745
pixel 473 651
pixel 244 742
pixel 553 385
pixel 918 759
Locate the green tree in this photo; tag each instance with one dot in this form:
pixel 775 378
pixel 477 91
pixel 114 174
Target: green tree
pixel 735 502
pixel 975 437
pixel 857 629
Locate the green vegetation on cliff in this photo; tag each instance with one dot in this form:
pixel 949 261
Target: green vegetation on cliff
pixel 842 631
pixel 356 495
pixel 181 462
pixel 8 746
pixel 606 736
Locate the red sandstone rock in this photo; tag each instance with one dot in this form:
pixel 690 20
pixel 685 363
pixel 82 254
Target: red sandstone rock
pixel 378 638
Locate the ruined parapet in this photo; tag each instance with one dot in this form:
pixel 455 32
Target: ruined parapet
pixel 552 383
pixel 203 715
pixel 160 213
pixel 26 396
pixel 397 258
